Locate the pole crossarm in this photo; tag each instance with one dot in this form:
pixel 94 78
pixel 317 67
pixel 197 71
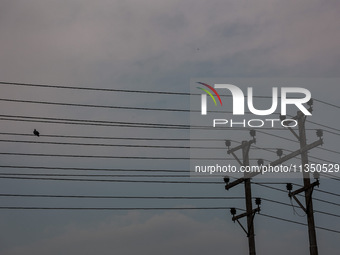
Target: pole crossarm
pixel 246 214
pixel 242 215
pixel 304 189
pixel 244 143
pixel 312 185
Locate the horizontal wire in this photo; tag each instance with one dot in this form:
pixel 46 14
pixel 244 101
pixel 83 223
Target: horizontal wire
pixel 290 205
pixel 120 197
pixel 128 91
pixel 145 175
pixel 93 89
pixel 326 103
pixel 112 138
pixel 152 139
pixel 330 176
pixel 106 180
pixel 95 169
pixel 152 208
pixel 327 192
pixel 285 191
pixel 112 157
pixel 133 108
pixel 129 124
pixel 299 223
pixel 124 123
pixel 152 197
pixel 143 146
pixel 97 175
pixel 299 185
pixel 111 208
pixel 153 146
pixel 115 145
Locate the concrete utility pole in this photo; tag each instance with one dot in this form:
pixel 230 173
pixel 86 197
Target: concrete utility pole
pixel 250 213
pixel 307 187
pixel 313 247
pixel 249 206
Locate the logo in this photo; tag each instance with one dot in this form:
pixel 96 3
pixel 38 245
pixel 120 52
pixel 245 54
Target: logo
pixel 204 97
pixel 239 99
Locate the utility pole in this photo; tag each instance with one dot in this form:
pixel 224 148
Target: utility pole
pixel 250 213
pixel 249 206
pixel 313 247
pixel 307 187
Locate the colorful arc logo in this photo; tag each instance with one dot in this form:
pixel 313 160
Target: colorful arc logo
pixel 204 97
pixel 208 92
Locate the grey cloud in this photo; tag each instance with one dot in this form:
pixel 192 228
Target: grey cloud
pixel 59 41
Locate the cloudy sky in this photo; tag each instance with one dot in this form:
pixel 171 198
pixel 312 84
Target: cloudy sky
pixel 149 45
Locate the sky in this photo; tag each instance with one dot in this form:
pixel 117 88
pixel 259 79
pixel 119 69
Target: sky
pixel 149 45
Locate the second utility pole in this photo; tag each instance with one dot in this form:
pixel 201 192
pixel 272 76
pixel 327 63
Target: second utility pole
pixel 249 206
pixel 313 247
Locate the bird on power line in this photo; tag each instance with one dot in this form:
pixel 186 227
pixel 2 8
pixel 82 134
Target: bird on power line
pixel 35 132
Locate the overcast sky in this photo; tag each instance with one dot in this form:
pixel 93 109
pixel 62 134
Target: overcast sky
pixel 159 46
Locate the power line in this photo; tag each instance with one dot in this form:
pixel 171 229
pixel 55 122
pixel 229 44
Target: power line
pixel 99 123
pixel 94 89
pixel 96 169
pixel 98 175
pixel 330 176
pixel 326 103
pixel 130 108
pixel 290 205
pixel 126 90
pixel 99 106
pixel 152 208
pixel 150 197
pixel 137 124
pixel 106 180
pixel 122 123
pixel 121 197
pixel 299 185
pixel 115 145
pixel 109 106
pixel 112 157
pixel 291 140
pixel 151 139
pixel 284 191
pixel 112 208
pixel 141 175
pixel 327 192
pixel 299 223
pixel 112 138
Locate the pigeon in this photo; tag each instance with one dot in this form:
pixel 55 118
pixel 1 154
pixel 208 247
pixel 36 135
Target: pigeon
pixel 35 132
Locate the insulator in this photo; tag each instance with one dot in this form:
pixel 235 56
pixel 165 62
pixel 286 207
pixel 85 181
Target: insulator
pixel 316 175
pixel 310 102
pixel 252 133
pixel 279 152
pixel 319 133
pixel 260 162
pixel 282 117
pixel 226 179
pixel 289 186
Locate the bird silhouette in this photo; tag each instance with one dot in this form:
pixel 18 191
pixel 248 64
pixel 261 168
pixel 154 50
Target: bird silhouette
pixel 35 132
